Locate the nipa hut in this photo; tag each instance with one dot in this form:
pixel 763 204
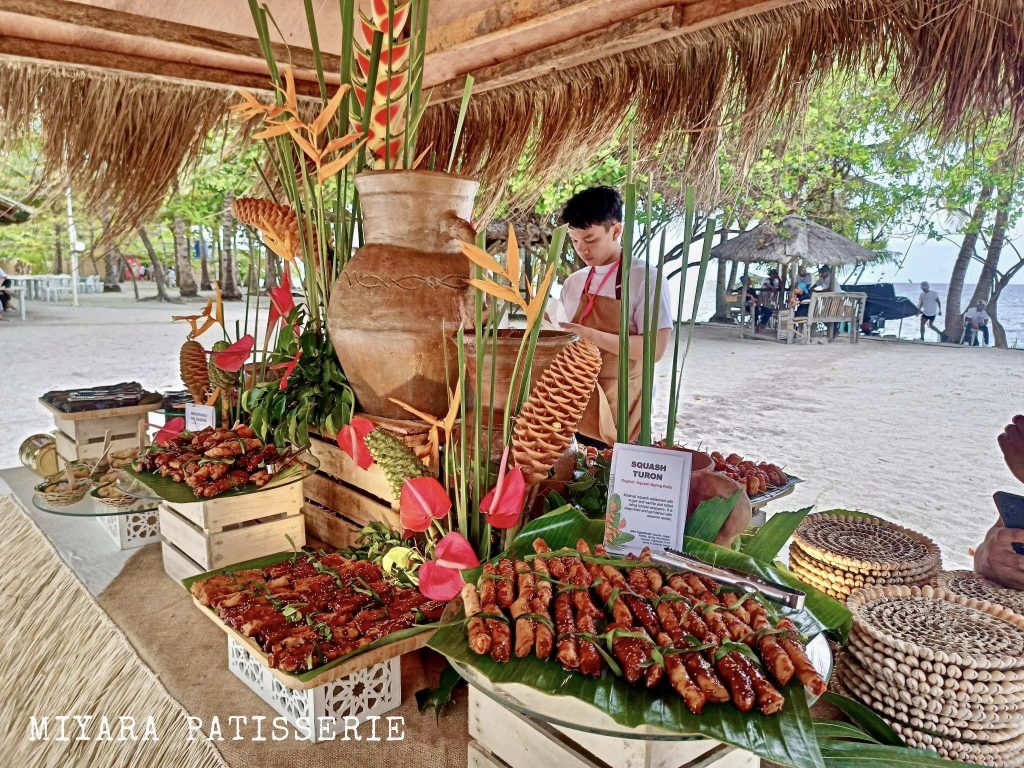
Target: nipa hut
pixel 125 90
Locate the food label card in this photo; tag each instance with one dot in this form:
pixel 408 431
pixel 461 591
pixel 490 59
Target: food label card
pixel 199 417
pixel 647 496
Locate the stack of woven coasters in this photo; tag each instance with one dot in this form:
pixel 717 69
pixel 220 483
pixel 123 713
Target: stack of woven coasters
pixel 945 671
pixel 839 553
pixel 972 584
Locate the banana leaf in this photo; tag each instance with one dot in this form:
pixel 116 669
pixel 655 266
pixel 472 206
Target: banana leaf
pixel 765 545
pixel 305 677
pixel 787 738
pixel 179 493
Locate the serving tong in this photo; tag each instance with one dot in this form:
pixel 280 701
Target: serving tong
pixel 778 593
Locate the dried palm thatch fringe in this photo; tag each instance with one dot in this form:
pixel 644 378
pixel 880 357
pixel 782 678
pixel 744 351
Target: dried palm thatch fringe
pixel 122 140
pixel 956 64
pixel 64 656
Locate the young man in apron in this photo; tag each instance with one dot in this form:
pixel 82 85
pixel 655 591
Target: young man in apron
pixel 592 299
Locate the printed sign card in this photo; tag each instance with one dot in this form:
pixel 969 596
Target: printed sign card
pixel 647 496
pixel 199 417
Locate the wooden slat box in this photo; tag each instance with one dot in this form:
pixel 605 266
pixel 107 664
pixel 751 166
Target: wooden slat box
pixel 217 532
pixel 341 498
pixel 502 738
pixel 80 435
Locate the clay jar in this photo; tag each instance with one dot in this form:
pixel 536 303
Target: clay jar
pixel 549 344
pixel 706 484
pixel 404 292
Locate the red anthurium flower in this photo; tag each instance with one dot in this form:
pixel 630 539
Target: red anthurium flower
pixel 233 358
pixel 281 301
pixel 352 440
pixel 169 430
pixel 441 579
pixel 503 504
pixel 423 500
pixel 288 371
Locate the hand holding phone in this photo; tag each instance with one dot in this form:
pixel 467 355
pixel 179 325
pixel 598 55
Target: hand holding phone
pixel 1011 511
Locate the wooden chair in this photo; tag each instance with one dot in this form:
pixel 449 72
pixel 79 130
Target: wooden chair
pixel 826 308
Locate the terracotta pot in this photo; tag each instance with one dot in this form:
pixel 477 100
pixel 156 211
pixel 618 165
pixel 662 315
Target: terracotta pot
pixel 405 290
pixel 706 484
pixel 549 344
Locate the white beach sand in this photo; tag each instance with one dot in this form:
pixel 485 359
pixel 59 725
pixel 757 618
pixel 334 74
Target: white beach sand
pixel 905 431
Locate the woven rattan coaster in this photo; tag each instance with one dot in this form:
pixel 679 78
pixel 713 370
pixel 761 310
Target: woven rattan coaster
pixel 848 579
pixel 957 711
pixel 978 725
pixel 936 625
pixel 917 682
pixel 829 588
pixel 939 672
pixel 971 584
pixel 970 751
pixel 865 545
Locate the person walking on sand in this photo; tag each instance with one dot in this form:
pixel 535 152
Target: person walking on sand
pixel 931 307
pixel 593 300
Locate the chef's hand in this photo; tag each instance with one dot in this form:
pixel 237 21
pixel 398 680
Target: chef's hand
pixel 996 559
pixel 582 331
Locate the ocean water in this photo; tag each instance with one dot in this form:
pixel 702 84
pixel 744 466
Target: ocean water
pixel 1010 310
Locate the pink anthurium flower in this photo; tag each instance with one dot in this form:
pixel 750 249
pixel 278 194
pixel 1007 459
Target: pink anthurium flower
pixel 281 301
pixel 352 440
pixel 233 358
pixel 441 578
pixel 288 371
pixel 503 504
pixel 170 429
pixel 423 500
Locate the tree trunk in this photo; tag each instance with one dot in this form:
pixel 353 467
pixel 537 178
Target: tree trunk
pixel 271 260
pixel 131 273
pixel 58 252
pixel 721 288
pixel 229 286
pixel 252 279
pixel 204 259
pixel 987 279
pixel 954 325
pixel 732 275
pixel 182 261
pixel 158 269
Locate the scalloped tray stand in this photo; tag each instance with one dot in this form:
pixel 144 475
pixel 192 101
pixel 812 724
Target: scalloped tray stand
pixel 320 713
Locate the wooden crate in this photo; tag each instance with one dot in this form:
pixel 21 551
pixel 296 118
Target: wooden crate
pixel 341 498
pixel 80 435
pixel 502 738
pixel 213 533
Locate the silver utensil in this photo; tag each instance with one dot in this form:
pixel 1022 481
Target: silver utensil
pixel 776 592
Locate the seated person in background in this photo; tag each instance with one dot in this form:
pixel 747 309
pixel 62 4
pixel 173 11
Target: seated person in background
pixel 803 281
pixel 996 559
pixel 824 282
pixel 767 299
pixel 5 295
pixel 975 323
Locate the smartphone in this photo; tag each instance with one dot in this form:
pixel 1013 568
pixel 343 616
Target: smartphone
pixel 1011 510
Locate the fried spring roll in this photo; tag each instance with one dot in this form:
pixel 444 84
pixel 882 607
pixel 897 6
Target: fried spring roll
pixel 501 634
pixel 678 677
pixel 696 665
pixel 739 683
pixel 565 626
pixel 506 583
pixel 655 581
pixel 769 700
pixel 772 653
pixel 805 671
pixel 479 637
pixel 544 638
pixel 605 590
pixel 634 654
pixel 587 616
pixel 523 604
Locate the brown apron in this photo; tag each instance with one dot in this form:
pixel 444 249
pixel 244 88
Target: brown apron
pixel 599 420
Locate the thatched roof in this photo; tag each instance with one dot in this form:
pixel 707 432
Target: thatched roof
pixel 13 212
pixel 137 83
pixel 793 239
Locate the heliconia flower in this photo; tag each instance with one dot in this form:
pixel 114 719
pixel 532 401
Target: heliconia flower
pixel 503 504
pixel 281 301
pixel 233 358
pixel 423 500
pixel 352 440
pixel 170 429
pixel 288 371
pixel 441 578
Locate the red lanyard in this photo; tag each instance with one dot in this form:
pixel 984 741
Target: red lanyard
pixel 586 286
